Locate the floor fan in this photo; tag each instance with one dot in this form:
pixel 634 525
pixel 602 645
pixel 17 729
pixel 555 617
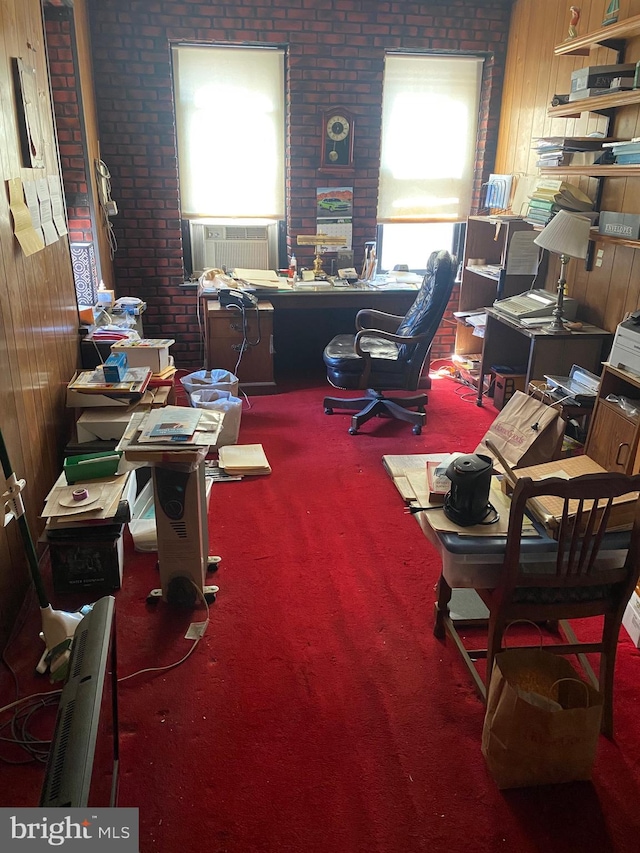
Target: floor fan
pixel 58 626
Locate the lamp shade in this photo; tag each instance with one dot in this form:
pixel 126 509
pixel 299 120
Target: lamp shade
pixel 566 234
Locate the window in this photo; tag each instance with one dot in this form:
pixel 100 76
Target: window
pixel 413 243
pixel 429 128
pixel 230 126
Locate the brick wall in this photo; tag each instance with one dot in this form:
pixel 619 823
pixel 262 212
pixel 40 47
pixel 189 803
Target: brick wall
pixel 64 90
pixel 336 53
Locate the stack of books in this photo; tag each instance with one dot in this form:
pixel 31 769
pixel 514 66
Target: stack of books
pixel 570 151
pixel 550 196
pixel 626 152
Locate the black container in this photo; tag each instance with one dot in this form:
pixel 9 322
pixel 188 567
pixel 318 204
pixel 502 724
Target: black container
pixel 467 502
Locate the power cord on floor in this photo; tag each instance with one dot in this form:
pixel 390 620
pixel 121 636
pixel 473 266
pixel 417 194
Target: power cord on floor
pixel 205 625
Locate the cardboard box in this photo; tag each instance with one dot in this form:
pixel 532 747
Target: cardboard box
pixel 631 618
pixel 615 224
pixel 89 559
pixel 103 424
pixel 548 508
pixel 600 76
pixel 148 352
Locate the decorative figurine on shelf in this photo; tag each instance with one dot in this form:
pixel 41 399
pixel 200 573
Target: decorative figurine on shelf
pixel 573 23
pixel 611 15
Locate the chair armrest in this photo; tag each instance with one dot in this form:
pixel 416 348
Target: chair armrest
pixel 370 318
pixel 387 336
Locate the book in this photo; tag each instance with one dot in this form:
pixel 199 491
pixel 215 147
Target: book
pixel 438 484
pixel 245 459
pixel 565 195
pixel 134 382
pixel 172 423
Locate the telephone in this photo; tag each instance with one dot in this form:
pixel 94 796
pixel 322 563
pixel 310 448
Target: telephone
pixel 237 298
pixel 349 274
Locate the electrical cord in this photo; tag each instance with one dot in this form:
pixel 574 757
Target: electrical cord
pixel 184 657
pixel 36 748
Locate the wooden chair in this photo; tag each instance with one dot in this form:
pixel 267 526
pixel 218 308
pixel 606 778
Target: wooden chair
pixel 581 579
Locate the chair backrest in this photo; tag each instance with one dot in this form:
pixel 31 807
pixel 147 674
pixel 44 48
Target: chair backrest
pixel 583 508
pixel 429 306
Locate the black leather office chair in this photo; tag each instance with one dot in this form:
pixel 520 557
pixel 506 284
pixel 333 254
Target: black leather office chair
pixel 388 352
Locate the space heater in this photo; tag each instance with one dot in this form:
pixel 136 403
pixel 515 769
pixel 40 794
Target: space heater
pixel 180 498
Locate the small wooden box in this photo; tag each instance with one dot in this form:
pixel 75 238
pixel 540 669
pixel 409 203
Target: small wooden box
pixel 504 387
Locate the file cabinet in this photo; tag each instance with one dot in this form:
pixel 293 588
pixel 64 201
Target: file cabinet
pixel 225 331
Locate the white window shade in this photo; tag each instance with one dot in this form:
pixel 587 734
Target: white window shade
pixel 230 127
pixel 429 131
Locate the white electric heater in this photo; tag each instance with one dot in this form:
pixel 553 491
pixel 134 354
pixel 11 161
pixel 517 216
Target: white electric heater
pixel 183 539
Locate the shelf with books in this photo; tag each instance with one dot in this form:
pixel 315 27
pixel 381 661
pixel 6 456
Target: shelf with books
pixel 608 36
pixel 611 171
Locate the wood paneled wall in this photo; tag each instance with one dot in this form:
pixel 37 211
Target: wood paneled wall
pixel 532 76
pixel 38 314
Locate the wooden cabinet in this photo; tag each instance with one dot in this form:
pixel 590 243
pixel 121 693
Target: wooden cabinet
pixel 229 330
pixel 489 240
pixel 614 435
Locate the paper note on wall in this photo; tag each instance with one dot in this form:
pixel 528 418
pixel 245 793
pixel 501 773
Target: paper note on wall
pixel 46 213
pixel 29 240
pixel 31 195
pixel 57 206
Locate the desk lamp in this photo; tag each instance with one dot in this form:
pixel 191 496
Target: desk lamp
pixel 567 235
pixel 320 240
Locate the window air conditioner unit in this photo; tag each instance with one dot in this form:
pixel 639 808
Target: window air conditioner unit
pixel 230 246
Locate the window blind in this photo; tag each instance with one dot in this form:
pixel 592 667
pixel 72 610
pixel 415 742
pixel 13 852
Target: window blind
pixel 230 118
pixel 429 128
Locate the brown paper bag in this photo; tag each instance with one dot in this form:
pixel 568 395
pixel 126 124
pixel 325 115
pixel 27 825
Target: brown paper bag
pixel 526 432
pixel 542 721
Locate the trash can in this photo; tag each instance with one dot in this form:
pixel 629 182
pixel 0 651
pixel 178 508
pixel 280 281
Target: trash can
pixel 224 402
pixel 214 380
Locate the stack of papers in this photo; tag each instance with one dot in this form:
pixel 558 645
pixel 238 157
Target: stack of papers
pixel 244 459
pixel 102 499
pixel 133 384
pixel 174 429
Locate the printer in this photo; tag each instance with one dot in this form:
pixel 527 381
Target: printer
pixel 625 352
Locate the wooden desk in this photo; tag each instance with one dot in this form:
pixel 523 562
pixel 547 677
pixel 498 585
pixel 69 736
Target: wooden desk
pixel 506 342
pixel 307 317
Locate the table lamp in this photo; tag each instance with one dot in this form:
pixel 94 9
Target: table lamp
pixel 567 235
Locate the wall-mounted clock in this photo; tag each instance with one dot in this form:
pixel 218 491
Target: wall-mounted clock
pixel 337 140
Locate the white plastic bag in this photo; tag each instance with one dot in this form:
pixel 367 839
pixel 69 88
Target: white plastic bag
pixel 217 380
pixel 221 401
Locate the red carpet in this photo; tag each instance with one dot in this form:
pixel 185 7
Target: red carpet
pixel 318 714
